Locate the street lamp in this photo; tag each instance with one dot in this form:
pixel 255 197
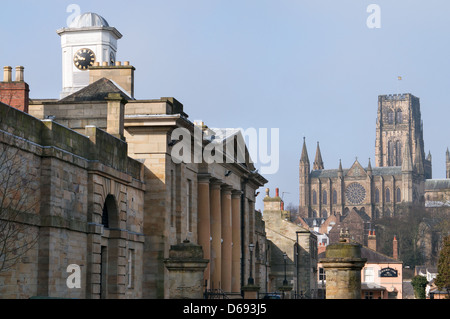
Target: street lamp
pixel 250 279
pixel 285 282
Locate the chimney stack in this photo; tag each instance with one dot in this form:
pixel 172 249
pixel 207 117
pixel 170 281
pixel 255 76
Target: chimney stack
pixel 395 248
pixel 19 74
pixel 15 93
pixel 372 240
pixel 7 75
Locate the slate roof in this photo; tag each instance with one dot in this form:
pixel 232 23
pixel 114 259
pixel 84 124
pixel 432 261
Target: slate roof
pixel 376 171
pixel 372 256
pixel 96 91
pixel 437 184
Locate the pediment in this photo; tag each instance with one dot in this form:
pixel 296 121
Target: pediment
pixel 357 170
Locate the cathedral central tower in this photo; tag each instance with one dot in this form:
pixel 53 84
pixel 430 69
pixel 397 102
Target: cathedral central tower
pixel 399 122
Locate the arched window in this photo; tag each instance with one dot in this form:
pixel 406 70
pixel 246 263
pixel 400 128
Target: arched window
pixel 314 214
pixel 390 153
pixel 324 197
pixel 377 195
pixel 110 214
pixel 399 116
pixel 398 153
pixel 398 195
pixel 334 196
pixel 105 217
pixel 388 195
pixel 390 115
pixel 314 197
pixel 324 214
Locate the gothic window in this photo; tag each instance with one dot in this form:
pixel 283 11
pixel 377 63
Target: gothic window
pixel 324 197
pixel 398 153
pixel 324 214
pixel 399 195
pixel 388 195
pixel 390 115
pixel 314 214
pixel 314 197
pixel 390 153
pixel 334 196
pixel 398 116
pixel 377 195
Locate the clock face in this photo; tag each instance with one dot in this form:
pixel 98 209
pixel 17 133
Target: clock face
pixel 355 193
pixel 84 58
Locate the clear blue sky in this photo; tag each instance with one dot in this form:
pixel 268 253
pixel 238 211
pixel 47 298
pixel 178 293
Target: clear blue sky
pixel 310 68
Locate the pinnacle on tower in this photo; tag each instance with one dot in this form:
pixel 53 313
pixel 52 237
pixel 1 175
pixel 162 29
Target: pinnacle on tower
pixel 318 163
pixel 369 167
pixel 304 158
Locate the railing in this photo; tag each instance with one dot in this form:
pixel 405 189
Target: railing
pixel 215 294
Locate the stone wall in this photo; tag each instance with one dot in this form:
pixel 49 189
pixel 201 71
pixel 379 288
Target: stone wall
pixel 71 177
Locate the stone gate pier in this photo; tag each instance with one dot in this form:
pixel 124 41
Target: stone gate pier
pixel 342 265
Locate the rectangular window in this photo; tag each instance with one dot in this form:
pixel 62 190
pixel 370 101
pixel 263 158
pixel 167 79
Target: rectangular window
pixel 322 276
pixel 368 275
pixel 368 294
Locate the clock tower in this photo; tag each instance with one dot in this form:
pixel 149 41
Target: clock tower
pixel 88 41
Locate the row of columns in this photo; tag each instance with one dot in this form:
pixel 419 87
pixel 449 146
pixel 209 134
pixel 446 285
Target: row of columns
pixel 219 233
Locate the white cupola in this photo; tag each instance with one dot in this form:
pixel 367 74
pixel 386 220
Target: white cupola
pixel 88 41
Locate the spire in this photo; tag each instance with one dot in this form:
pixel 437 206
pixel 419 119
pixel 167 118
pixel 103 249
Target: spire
pixel 447 156
pixel 340 170
pixel 318 163
pixel 369 168
pixel 304 158
pixel 429 156
pixel 407 158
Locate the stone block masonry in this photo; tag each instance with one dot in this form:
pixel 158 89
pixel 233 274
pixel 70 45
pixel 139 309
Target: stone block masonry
pixel 76 179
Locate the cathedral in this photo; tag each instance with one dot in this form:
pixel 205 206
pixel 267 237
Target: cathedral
pixel 401 175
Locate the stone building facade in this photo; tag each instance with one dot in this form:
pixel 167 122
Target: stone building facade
pixel 85 203
pixel 147 166
pixel 293 251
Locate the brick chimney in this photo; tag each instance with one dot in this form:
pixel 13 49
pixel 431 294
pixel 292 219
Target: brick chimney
pixel 395 248
pixel 372 240
pixel 15 93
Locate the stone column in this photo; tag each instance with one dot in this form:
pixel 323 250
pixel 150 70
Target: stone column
pixel 204 222
pixel 186 267
pixel 227 237
pixel 236 240
pixel 342 265
pixel 216 233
